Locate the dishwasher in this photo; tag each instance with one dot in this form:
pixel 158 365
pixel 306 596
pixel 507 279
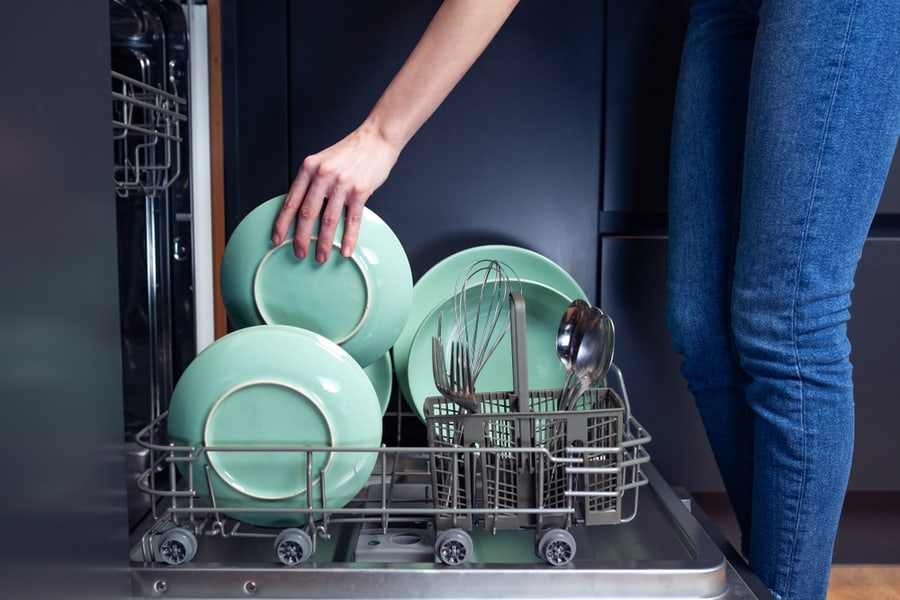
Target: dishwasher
pixel 517 500
pixel 522 502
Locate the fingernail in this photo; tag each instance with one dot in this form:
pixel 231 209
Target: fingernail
pixel 320 256
pixel 346 253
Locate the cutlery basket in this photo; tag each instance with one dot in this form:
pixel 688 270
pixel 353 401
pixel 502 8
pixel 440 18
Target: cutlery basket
pixel 540 468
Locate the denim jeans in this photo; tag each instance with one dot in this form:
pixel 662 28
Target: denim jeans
pixel 787 116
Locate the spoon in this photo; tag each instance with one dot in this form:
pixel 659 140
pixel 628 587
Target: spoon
pixel 594 354
pixel 571 327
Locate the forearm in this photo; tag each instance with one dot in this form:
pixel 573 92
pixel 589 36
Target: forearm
pixel 455 38
pixel 345 174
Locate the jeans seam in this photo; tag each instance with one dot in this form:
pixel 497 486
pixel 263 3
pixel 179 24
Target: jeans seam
pixel 794 318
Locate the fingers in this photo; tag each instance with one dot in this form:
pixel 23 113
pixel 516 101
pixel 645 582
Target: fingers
pixel 328 223
pixel 307 214
pixel 353 200
pixel 341 176
pixel 302 206
pixel 315 195
pixel 289 207
pixel 352 222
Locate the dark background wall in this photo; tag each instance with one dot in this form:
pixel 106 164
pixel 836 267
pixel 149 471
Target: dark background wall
pixel 557 140
pixel 514 149
pixel 62 501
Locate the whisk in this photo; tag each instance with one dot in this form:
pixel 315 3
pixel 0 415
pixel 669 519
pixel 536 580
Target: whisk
pixel 481 308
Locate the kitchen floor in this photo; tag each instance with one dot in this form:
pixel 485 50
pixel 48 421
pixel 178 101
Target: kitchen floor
pixel 864 582
pixel 866 563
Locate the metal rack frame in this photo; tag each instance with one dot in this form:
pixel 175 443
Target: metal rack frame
pixel 147 132
pixel 568 477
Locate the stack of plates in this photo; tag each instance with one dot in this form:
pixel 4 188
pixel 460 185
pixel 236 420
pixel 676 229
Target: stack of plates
pixel 547 288
pixel 275 386
pixel 308 366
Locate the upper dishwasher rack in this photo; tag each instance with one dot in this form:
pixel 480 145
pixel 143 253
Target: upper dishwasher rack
pixel 147 133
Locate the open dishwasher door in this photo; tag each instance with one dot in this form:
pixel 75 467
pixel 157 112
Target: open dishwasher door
pixel 663 553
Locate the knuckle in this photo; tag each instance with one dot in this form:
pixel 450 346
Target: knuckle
pixel 306 211
pixel 309 164
pixel 329 219
pixel 359 192
pixel 326 170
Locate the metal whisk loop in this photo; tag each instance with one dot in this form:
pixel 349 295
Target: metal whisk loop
pixel 481 307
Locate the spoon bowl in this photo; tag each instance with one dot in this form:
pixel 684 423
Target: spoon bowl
pixel 593 355
pixel 568 336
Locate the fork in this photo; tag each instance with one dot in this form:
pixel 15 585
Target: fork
pixel 455 384
pixel 462 385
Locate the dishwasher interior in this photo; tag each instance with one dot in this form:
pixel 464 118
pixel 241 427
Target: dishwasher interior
pixel 428 515
pixel 152 174
pixel 397 538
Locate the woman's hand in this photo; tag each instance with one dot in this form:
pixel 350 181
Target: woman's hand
pixel 342 176
pixel 346 174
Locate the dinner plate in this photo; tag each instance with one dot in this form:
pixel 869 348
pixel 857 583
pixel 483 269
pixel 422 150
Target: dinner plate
pixel 437 284
pixel 252 400
pixel 381 374
pixel 361 303
pixel 544 307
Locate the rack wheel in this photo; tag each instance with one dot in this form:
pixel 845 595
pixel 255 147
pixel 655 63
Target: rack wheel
pixel 293 546
pixel 176 546
pixel 453 547
pixel 557 547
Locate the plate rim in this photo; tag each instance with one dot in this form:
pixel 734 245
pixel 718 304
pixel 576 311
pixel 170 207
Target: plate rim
pixel 243 489
pixel 258 299
pixel 385 362
pixel 423 294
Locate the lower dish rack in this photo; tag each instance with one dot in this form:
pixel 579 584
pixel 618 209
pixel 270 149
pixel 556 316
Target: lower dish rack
pixel 542 470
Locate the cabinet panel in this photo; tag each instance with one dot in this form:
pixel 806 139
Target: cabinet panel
pixel 643 52
pixel 633 293
pixel 874 331
pixel 644 42
pixel 255 101
pixel 890 199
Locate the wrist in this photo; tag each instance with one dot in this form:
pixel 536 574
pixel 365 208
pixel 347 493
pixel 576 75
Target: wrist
pixel 384 133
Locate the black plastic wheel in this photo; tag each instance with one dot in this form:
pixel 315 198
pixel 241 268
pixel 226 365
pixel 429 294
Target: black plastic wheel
pixel 176 546
pixel 293 546
pixel 557 547
pixel 453 547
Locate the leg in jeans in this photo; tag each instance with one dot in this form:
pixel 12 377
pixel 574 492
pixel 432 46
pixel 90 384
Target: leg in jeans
pixel 823 115
pixel 823 119
pixel 705 188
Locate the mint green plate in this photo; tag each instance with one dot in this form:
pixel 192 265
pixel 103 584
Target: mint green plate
pixel 544 306
pixel 361 303
pixel 437 284
pixel 381 374
pixel 266 392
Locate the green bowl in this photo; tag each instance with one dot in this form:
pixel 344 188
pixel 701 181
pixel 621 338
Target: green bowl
pixel 252 401
pixel 361 303
pixel 437 284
